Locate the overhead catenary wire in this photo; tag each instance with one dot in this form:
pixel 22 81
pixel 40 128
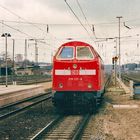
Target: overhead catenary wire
pixel 21 22
pixel 16 29
pixel 24 33
pixel 37 23
pixel 20 17
pixel 66 24
pixel 83 13
pixel 31 23
pixel 24 22
pixel 93 28
pixel 85 17
pixel 78 19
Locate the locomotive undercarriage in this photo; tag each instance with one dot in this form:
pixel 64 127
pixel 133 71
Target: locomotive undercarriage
pixel 75 101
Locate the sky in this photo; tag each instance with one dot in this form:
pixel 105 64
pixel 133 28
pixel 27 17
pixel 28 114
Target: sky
pixel 29 19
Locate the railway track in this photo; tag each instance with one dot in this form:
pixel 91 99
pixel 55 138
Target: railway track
pixel 13 109
pixel 107 81
pixel 66 127
pixel 126 79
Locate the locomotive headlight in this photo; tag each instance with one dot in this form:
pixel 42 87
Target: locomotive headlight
pixel 60 85
pixel 74 66
pixel 89 85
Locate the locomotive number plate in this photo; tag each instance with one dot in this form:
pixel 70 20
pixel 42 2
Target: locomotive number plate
pixel 74 72
pixel 75 79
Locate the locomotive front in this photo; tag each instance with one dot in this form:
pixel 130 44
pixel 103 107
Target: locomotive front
pixel 76 75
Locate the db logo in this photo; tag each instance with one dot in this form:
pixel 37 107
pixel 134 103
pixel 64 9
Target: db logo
pixel 74 72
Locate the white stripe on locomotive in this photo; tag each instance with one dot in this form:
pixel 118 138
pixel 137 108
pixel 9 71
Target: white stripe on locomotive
pixel 62 72
pixel 87 72
pixel 81 72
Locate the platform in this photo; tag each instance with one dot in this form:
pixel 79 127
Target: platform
pixel 13 93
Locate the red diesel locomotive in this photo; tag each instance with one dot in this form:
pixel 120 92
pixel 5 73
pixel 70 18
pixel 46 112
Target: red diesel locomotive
pixel 78 76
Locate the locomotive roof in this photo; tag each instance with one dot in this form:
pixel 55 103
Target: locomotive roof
pixel 76 43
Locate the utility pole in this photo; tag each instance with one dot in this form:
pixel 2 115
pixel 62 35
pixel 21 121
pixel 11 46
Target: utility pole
pixel 6 35
pixel 13 54
pixel 25 55
pixel 0 67
pixel 13 73
pixel 36 53
pixel 119 18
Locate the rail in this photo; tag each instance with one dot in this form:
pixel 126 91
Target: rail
pixel 68 130
pixel 46 128
pixel 108 80
pixel 39 98
pixel 128 78
pixel 82 126
pixel 134 85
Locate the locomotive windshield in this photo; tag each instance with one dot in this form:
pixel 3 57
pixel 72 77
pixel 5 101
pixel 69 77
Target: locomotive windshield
pixel 66 53
pixel 84 53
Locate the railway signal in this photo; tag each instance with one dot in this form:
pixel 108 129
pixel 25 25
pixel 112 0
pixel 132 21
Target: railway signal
pixel 114 60
pixel 114 63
